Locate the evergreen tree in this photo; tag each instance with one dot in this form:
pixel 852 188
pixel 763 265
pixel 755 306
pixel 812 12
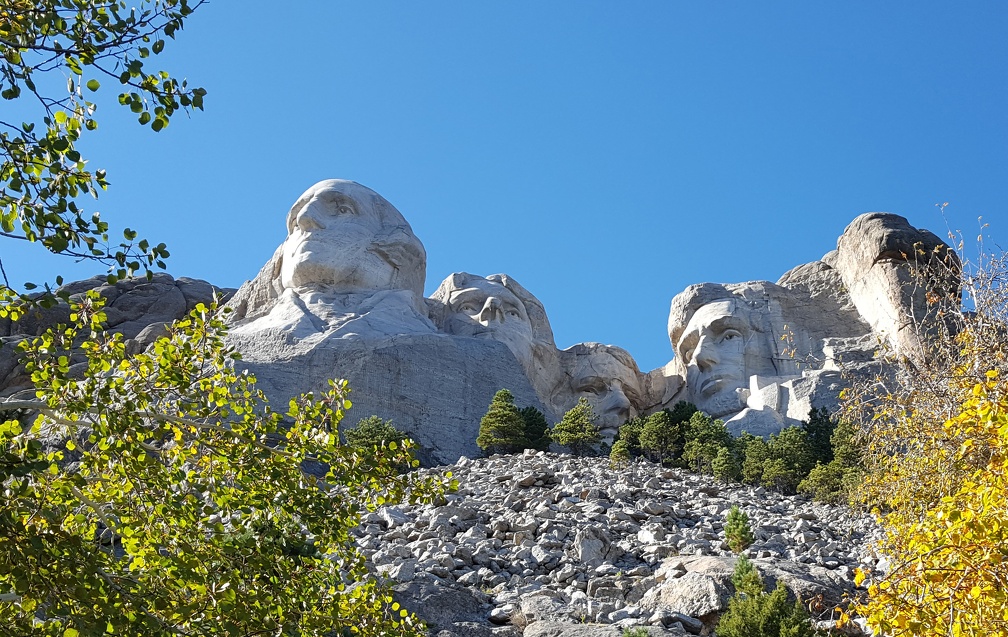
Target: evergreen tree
pixel 737 530
pixel 752 611
pixel 660 437
pixel 819 430
pixel 630 431
pixel 619 455
pixel 704 439
pixel 371 432
pixel 577 430
pixel 536 428
pixel 726 466
pixel 745 578
pixel 682 412
pixel 502 428
pixel 756 455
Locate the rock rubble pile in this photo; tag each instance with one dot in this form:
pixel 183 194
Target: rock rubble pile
pixel 549 543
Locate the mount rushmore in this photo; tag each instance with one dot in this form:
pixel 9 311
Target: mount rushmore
pixel 342 296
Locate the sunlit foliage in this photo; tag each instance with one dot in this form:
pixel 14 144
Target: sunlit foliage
pixel 158 494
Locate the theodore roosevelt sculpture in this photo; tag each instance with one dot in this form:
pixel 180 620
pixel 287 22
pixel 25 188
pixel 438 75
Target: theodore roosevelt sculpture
pixel 608 377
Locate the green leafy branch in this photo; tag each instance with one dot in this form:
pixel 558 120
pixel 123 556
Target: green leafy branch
pixel 43 175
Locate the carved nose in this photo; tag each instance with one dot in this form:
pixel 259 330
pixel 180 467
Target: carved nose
pixel 618 403
pixel 705 354
pixel 491 311
pixel 306 218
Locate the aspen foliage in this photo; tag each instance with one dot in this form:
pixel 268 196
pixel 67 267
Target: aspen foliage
pixel 934 441
pixel 158 494
pixel 949 563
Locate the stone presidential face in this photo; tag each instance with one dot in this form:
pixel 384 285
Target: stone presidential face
pixel 485 308
pixel 713 350
pixel 345 238
pixel 609 379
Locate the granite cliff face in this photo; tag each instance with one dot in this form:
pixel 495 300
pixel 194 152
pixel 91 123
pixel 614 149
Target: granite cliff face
pixel 342 297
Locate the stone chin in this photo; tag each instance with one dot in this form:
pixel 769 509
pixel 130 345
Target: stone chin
pixel 517 340
pixel 726 401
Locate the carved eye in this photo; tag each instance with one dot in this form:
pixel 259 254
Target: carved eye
pixel 594 388
pixel 513 312
pixel 730 335
pixel 469 307
pixel 345 209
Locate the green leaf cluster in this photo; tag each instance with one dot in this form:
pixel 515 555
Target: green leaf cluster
pixel 159 494
pixel 44 179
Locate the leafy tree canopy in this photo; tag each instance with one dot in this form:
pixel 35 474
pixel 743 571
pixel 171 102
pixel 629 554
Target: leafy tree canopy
pixel 373 431
pixel 159 494
pixel 577 429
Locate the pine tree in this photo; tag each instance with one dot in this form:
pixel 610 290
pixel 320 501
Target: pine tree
pixel 737 530
pixel 373 431
pixel 752 611
pixel 577 429
pixel 619 455
pixel 661 437
pixel 502 428
pixel 536 428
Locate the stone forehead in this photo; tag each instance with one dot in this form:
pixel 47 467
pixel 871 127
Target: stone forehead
pixel 541 330
pixel 749 297
pixel 577 353
pixel 386 212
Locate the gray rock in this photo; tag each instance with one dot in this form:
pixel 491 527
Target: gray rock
pixel 136 308
pixel 559 629
pixel 693 594
pixel 898 276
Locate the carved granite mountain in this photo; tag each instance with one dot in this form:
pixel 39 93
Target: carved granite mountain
pixel 342 297
pixel 136 308
pixel 760 355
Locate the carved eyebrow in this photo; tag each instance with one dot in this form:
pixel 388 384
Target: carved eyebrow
pixel 729 323
pixel 338 199
pixel 687 343
pixel 480 296
pixel 469 294
pixel 689 339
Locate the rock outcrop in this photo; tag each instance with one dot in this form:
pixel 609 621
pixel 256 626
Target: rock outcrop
pixel 898 277
pixel 136 308
pixel 761 355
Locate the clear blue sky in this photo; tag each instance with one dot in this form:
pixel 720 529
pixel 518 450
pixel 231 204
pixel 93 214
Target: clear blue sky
pixel 606 155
